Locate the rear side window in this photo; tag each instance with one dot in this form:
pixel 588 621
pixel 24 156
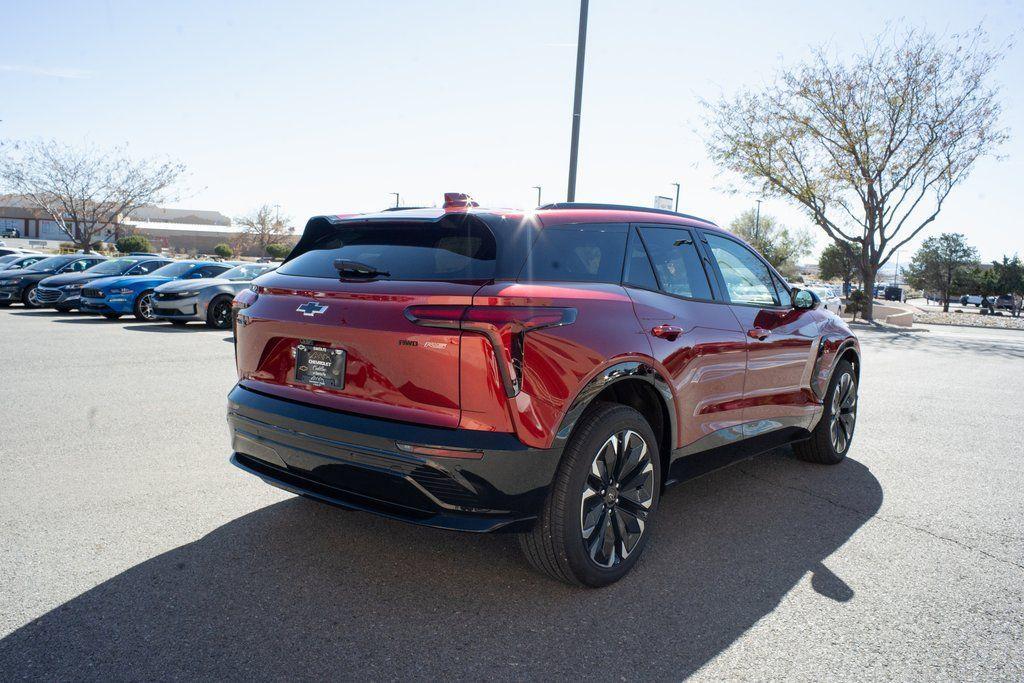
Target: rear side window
pixel 463 250
pixel 577 253
pixel 676 262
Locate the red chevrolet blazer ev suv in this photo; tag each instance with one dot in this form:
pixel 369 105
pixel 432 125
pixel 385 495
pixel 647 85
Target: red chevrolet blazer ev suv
pixel 546 372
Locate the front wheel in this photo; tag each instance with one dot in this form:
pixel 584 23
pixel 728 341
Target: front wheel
pixel 218 315
pixel 831 439
pixel 143 309
pixel 29 298
pixel 594 523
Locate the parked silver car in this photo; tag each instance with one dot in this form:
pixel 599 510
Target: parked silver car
pixel 208 300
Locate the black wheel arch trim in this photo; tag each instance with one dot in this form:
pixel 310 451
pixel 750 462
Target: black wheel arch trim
pixel 613 374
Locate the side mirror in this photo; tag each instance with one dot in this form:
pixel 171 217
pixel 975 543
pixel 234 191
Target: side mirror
pixel 805 299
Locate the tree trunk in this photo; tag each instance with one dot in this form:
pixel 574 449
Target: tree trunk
pixel 868 283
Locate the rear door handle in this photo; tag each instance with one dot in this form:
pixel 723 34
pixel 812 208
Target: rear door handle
pixel 669 332
pixel 759 333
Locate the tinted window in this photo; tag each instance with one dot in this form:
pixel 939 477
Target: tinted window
pixel 577 253
pixel 785 297
pixel 447 250
pixel 176 269
pixel 79 265
pixel 638 267
pixel 676 262
pixel 747 279
pixel 147 267
pixel 209 271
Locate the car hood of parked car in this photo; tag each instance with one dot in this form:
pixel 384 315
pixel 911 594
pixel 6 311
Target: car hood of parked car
pixel 71 279
pixel 136 282
pixel 176 286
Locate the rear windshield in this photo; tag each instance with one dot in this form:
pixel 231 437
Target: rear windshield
pixel 463 250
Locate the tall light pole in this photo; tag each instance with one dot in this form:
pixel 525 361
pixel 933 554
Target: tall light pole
pixel 577 102
pixel 396 198
pixel 537 187
pixel 676 209
pixel 757 220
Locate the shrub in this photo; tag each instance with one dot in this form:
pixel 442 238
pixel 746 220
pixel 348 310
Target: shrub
pixel 278 251
pixel 130 243
pixel 223 250
pixel 855 302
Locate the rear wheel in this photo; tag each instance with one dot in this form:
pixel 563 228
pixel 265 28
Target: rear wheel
pixel 29 298
pixel 593 526
pixel 218 315
pixel 143 308
pixel 831 439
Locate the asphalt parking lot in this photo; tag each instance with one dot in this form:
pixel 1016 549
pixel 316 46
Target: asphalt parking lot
pixel 131 549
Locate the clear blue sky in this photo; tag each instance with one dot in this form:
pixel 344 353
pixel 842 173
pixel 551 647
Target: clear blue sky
pixel 326 107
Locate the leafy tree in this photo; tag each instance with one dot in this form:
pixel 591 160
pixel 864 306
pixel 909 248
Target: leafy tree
pixel 264 227
pixel 86 192
pixel 224 251
pixel 781 247
pixel 1007 277
pixel 130 243
pixel 934 266
pixel 871 146
pixel 837 262
pixel 278 251
pixel 856 301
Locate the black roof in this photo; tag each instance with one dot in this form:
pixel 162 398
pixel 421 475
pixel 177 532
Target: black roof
pixel 619 207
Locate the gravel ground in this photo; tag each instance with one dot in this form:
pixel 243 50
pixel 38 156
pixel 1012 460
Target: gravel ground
pixel 130 549
pixel 969 319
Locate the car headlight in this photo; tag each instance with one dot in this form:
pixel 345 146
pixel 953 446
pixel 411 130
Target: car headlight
pixel 72 288
pixel 193 292
pixel 10 282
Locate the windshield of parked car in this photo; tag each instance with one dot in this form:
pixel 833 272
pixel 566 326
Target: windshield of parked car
pixel 113 266
pixel 48 265
pixel 173 269
pixel 8 258
pixel 246 272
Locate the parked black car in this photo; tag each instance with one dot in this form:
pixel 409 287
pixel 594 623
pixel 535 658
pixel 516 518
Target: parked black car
pixel 20 285
pixel 9 232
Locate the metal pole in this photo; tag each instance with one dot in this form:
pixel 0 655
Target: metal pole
pixel 537 187
pixel 757 221
pixel 677 197
pixel 396 198
pixel 574 147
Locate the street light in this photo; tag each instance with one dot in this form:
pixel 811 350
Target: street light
pixel 396 198
pixel 537 187
pixel 676 185
pixel 574 146
pixel 757 220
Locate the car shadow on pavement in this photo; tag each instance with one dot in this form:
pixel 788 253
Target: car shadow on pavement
pixel 301 590
pixel 168 327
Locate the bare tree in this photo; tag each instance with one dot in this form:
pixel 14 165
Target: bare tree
pixel 265 226
pixel 870 148
pixel 86 191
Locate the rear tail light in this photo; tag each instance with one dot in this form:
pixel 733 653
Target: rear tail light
pixel 504 326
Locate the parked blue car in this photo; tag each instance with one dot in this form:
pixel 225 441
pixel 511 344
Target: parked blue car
pixel 113 297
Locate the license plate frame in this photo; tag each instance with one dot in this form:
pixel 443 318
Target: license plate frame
pixel 327 369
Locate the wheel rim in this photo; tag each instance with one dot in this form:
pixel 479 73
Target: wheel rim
pixel 33 300
pixel 146 307
pixel 617 498
pixel 222 314
pixel 844 412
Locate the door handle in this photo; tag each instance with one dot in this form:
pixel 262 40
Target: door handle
pixel 669 332
pixel 759 333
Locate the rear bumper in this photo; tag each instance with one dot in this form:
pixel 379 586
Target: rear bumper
pixel 353 461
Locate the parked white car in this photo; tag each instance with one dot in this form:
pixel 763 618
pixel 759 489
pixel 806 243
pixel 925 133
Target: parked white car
pixel 829 298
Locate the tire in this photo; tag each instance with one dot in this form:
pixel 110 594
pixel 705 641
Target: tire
pixel 28 298
pixel 111 316
pixel 558 544
pixel 824 446
pixel 143 308
pixel 218 313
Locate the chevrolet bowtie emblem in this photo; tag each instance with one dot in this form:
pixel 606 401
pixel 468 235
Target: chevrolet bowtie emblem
pixel 311 308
